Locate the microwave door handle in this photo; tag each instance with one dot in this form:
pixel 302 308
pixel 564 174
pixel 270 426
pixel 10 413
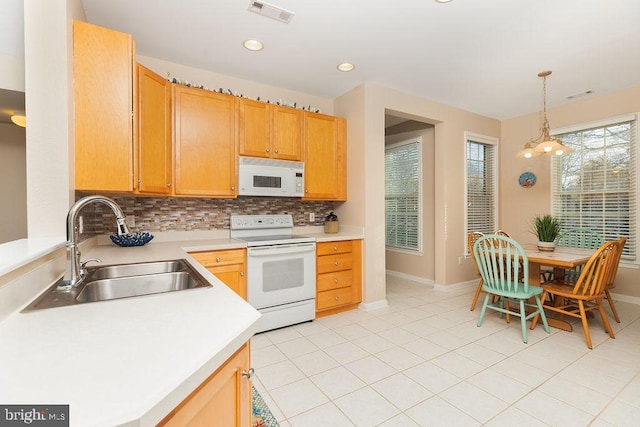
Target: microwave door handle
pixel 281 249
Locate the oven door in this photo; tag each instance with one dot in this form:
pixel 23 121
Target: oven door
pixel 281 274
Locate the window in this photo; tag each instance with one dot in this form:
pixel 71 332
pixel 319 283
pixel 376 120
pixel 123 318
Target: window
pixel 403 194
pixel 481 177
pixel 595 186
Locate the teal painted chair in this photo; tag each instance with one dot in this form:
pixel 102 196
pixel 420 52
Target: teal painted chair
pixel 504 268
pixel 578 237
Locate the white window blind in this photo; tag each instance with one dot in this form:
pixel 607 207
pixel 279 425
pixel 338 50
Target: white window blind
pixel 403 171
pixel 481 186
pixel 595 186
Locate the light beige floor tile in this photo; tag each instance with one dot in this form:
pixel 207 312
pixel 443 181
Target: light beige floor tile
pixel 581 397
pixel 398 336
pixel 353 331
pixel 326 339
pixel 432 377
pixel 482 355
pixel 400 420
pixel 279 374
pixel 621 414
pixel 474 401
pixel 402 391
pixel 514 417
pixel 424 348
pixel 321 416
pixel 265 356
pixel 373 343
pixel 500 385
pixel 438 412
pixel 281 335
pixel 399 358
pixel 337 382
pixel 370 369
pixel 297 347
pixel 314 363
pixel 457 365
pixel 552 411
pixel 366 408
pixel 346 352
pixel 526 374
pixel 298 397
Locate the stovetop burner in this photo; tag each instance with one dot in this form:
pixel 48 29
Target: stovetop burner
pixel 265 230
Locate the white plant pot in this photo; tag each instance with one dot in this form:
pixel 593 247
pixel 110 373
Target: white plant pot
pixel 546 246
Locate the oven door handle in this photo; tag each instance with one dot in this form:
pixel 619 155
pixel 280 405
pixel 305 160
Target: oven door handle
pixel 281 249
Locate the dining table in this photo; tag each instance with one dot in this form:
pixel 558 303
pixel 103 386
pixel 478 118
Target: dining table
pixel 561 258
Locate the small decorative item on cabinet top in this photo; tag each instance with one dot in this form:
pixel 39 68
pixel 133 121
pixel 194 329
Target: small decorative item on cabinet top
pixel 331 223
pixel 527 179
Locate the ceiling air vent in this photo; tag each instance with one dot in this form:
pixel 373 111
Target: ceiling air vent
pixel 271 11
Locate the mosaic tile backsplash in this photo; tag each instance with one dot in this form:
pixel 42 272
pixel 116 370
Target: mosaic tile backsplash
pixel 156 214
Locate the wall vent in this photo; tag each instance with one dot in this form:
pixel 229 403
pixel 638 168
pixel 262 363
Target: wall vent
pixel 271 11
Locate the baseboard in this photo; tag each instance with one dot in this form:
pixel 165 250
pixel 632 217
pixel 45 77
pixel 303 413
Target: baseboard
pixel 370 306
pixel 406 276
pixel 625 298
pixel 471 284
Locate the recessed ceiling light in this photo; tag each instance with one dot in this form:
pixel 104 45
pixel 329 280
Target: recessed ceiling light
pixel 443 1
pixel 253 44
pixel 346 66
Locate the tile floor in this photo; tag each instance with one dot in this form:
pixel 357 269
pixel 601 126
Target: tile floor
pixel 422 361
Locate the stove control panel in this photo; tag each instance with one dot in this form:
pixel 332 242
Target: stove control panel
pixel 253 222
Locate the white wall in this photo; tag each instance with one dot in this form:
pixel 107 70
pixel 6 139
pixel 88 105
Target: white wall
pixel 49 103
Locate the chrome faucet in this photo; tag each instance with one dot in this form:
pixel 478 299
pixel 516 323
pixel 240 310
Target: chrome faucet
pixel 74 272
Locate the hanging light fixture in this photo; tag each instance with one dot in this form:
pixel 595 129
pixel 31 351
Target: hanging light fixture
pixel 544 144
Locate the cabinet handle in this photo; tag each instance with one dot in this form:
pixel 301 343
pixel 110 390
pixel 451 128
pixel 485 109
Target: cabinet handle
pixel 336 298
pixel 218 259
pixel 336 263
pixel 335 281
pixel 268 150
pixel 248 374
pixel 233 187
pixel 276 151
pixel 242 274
pixel 335 248
pixel 306 190
pixel 168 185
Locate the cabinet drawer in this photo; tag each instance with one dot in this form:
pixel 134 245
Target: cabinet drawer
pixel 214 258
pixel 328 248
pixel 334 298
pixel 335 280
pixel 338 262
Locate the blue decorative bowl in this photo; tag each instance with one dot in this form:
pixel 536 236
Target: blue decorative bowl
pixel 138 238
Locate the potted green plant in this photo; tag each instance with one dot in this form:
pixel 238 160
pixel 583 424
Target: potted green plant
pixel 546 228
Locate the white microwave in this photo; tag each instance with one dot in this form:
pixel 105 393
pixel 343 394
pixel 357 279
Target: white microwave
pixel 267 177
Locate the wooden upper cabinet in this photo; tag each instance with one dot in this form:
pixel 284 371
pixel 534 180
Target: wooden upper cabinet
pixel 103 102
pixel 153 132
pixel 270 131
pixel 325 163
pixel 204 139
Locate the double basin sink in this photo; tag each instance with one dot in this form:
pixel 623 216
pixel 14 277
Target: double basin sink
pixel 103 283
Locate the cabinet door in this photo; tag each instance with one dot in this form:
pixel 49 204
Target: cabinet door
pixel 233 276
pixel 286 142
pixel 153 139
pixel 103 98
pixel 325 157
pixel 255 129
pixel 204 143
pixel 223 399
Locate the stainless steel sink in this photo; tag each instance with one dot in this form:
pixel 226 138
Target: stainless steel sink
pixel 105 283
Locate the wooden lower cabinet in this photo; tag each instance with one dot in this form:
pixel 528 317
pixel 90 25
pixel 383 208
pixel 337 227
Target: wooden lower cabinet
pixel 339 276
pixel 223 399
pixel 227 265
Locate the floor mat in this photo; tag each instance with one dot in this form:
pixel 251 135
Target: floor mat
pixel 261 415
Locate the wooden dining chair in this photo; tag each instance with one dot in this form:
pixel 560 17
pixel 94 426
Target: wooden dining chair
pixel 504 268
pixel 578 237
pixel 471 240
pixel 588 292
pixel 611 278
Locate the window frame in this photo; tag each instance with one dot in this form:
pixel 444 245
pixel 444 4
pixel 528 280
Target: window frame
pixel 609 121
pixel 485 140
pixel 419 250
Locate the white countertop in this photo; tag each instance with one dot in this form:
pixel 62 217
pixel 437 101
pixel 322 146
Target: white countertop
pixel 127 361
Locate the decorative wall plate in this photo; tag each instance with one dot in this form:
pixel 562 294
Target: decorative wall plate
pixel 527 179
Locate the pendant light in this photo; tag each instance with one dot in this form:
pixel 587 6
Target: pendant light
pixel 544 144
